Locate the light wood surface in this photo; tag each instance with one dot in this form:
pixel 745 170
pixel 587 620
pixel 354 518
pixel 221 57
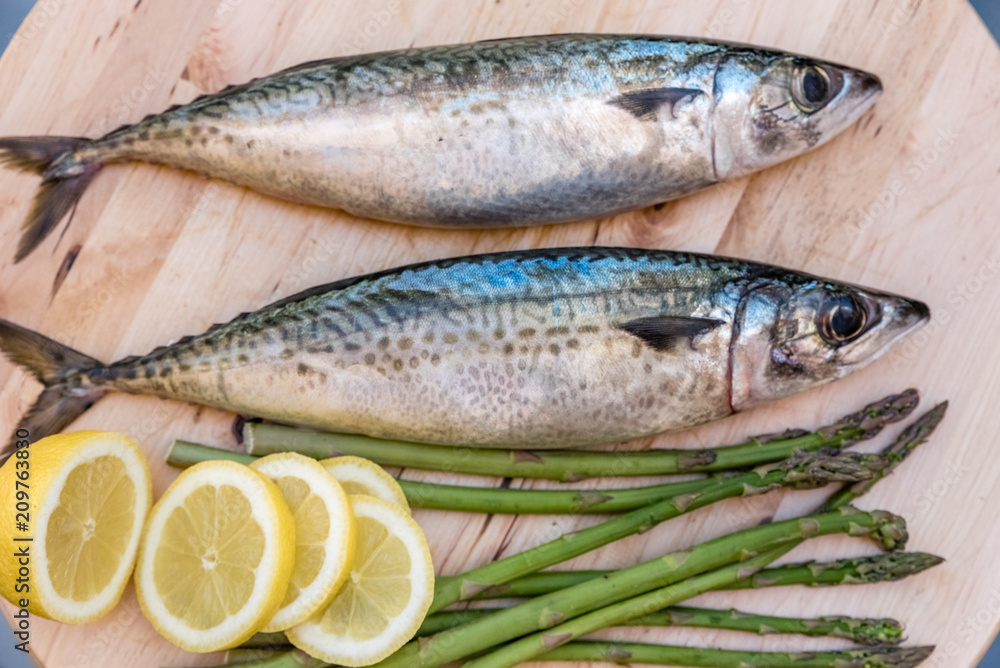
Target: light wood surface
pixel 905 201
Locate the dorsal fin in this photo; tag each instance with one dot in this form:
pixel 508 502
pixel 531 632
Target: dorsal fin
pixel 643 104
pixel 663 332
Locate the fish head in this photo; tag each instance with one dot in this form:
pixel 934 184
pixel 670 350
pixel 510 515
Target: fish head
pixel 770 107
pixel 795 333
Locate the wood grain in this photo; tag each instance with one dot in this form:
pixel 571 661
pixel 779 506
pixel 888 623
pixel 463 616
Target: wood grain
pixel 905 201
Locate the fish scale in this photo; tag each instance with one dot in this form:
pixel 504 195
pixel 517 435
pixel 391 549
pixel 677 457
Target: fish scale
pixel 544 348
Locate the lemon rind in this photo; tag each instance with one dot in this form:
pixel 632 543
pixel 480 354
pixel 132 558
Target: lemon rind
pixel 64 609
pixel 349 468
pixel 309 636
pixel 258 606
pixel 341 539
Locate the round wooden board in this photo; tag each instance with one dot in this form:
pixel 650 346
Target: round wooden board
pixel 904 201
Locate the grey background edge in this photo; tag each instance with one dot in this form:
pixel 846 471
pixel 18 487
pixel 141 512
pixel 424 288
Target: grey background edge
pixel 12 13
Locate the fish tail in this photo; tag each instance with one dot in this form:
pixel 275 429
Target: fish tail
pixel 53 364
pixel 64 179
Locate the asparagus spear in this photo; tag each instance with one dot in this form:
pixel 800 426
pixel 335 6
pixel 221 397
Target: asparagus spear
pixel 666 655
pixel 572 465
pixel 913 436
pixel 876 632
pixel 261 640
pixel 844 467
pixel 861 570
pixel 491 500
pixel 754 547
pixel 283 656
pixel 672 655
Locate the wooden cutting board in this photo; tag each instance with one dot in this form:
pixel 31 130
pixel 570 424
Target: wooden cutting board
pixel 906 200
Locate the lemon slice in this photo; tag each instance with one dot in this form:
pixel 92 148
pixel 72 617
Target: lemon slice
pixel 84 498
pixel 386 597
pixel 216 556
pixel 324 535
pixel 362 476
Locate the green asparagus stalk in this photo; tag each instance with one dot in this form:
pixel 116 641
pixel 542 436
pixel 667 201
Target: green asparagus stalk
pixel 845 467
pixel 672 655
pixel 667 655
pixel 875 632
pixel 266 640
pixel 491 500
pixel 913 436
pixel 183 454
pixel 572 465
pixel 270 658
pixel 861 570
pixel 258 656
pixel 799 471
pixel 754 547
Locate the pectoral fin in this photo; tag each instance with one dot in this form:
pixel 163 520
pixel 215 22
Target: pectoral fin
pixel 643 104
pixel 664 332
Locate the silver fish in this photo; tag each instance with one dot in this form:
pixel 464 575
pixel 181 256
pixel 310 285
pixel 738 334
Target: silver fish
pixel 508 132
pixel 540 348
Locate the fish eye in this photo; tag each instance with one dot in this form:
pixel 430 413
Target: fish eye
pixel 842 319
pixel 813 86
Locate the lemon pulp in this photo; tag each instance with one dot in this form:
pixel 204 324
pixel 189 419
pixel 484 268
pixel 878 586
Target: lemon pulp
pixel 204 570
pixel 312 528
pixel 378 588
pixel 88 532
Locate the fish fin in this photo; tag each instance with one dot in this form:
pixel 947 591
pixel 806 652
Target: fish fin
pixel 643 104
pixel 51 363
pixel 58 193
pixel 663 332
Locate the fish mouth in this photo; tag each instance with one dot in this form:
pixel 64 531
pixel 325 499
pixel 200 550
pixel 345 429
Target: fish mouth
pixel 904 316
pixel 860 92
pixel 912 315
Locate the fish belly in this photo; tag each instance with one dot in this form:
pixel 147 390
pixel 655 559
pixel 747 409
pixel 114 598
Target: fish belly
pixel 480 159
pixel 515 381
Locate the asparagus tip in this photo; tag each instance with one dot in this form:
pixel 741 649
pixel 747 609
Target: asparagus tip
pixel 864 631
pixel 918 432
pixel 907 657
pixel 890 531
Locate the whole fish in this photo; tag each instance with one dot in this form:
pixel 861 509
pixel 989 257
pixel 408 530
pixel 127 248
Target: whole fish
pixel 541 348
pixel 519 131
